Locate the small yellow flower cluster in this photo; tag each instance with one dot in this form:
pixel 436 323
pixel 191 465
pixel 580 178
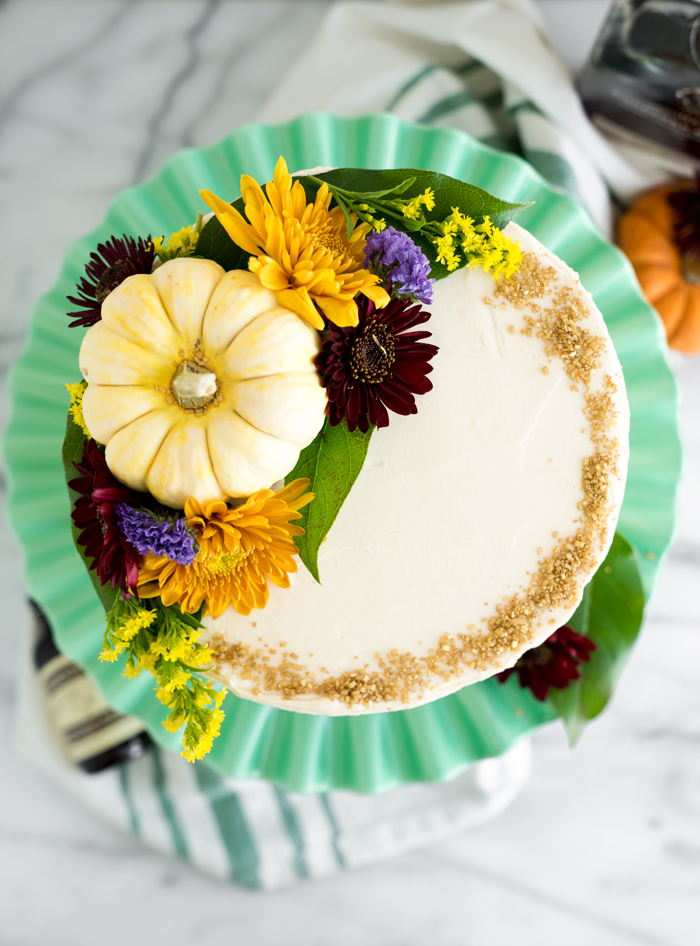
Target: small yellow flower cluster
pixel 181 243
pixel 378 223
pixel 124 631
pixel 412 208
pixel 199 738
pixel 76 392
pixel 171 652
pixel 482 244
pixel 185 648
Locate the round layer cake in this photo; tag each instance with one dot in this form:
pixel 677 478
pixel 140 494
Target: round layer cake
pixel 474 526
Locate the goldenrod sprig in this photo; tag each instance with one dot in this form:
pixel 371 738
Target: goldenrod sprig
pixel 372 206
pixel 457 239
pixel 165 642
pixel 181 243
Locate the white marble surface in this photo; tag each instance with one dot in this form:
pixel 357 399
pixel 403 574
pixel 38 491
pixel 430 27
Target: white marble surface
pixel 603 845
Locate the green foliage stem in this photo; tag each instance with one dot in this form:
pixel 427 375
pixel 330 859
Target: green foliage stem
pixel 379 188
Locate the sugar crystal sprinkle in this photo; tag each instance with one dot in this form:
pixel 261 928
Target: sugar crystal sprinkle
pixel 556 583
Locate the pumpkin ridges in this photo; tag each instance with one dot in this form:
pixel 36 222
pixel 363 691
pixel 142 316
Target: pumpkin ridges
pixel 644 245
pixel 655 208
pixel 656 281
pixel 646 235
pixel 138 442
pixel 156 440
pixel 99 400
pixel 671 308
pixel 686 336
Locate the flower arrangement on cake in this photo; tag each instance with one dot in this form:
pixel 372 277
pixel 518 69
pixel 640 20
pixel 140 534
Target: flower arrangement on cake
pixel 233 375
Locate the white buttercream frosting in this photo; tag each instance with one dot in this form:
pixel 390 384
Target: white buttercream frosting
pixel 452 513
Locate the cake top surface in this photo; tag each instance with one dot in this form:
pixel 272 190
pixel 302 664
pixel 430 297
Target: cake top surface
pixel 475 525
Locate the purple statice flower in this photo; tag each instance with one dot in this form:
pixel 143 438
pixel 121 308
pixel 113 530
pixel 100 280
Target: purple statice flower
pixel 164 537
pixel 394 256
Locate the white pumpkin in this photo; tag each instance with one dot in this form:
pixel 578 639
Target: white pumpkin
pixel 199 383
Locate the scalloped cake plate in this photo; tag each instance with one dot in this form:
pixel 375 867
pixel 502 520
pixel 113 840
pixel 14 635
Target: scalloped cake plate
pixel 380 751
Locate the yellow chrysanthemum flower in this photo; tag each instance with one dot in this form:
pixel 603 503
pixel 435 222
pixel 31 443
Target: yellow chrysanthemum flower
pixel 240 550
pixel 301 251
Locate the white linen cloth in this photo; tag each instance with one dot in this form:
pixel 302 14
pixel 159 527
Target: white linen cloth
pixel 487 67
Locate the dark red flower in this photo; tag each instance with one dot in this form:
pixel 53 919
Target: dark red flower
pixel 115 560
pixel 376 366
pixel 553 664
pixel 114 261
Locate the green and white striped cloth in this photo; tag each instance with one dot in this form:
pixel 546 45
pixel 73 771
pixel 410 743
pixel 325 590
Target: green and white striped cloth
pixel 488 68
pixel 254 833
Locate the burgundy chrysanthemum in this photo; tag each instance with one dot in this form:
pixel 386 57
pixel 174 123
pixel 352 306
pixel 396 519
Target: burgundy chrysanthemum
pixel 553 664
pixel 114 261
pixel 376 366
pixel 115 560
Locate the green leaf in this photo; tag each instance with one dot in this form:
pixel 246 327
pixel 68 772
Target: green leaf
pixel 348 221
pixel 610 614
pixel 332 463
pixel 388 191
pixel 72 452
pixel 449 192
pixel 214 243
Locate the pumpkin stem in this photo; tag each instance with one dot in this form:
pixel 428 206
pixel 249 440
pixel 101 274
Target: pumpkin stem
pixel 194 386
pixel 690 267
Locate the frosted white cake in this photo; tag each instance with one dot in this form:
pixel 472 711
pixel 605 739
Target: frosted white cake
pixel 474 525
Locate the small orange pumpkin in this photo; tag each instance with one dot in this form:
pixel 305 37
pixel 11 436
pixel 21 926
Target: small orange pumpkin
pixel 654 235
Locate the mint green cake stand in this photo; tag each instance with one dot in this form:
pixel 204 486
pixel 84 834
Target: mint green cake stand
pixel 315 753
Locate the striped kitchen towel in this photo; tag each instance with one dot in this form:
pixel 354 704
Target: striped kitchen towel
pixel 252 832
pixel 488 68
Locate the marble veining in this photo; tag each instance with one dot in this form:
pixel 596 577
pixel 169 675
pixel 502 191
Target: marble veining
pixel 586 917
pixel 603 844
pixel 186 70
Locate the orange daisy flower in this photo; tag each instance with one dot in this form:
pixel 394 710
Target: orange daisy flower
pixel 241 548
pixel 301 251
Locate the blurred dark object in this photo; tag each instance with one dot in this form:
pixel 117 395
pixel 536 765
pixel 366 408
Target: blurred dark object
pixel 643 80
pixel 91 734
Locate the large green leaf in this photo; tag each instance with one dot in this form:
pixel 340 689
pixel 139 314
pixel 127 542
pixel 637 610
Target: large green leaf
pixel 610 614
pixel 72 452
pixel 449 192
pixel 332 463
pixel 215 243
